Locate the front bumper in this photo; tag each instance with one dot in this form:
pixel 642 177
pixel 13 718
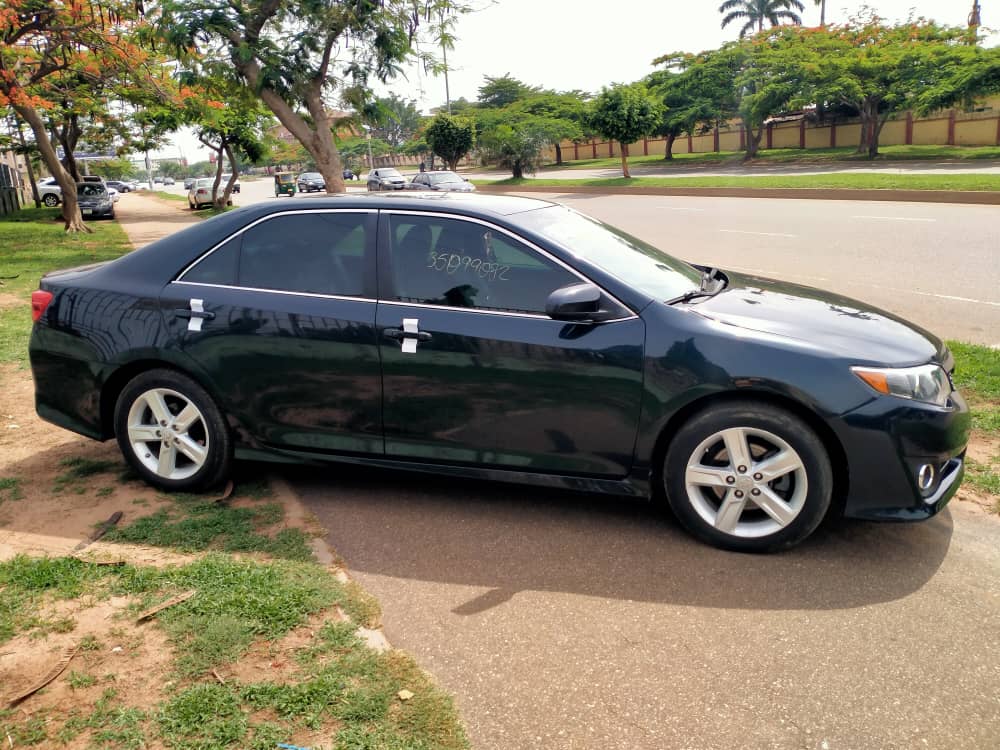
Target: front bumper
pixel 887 441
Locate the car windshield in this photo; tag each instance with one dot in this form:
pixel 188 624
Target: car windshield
pixel 389 173
pixel 628 258
pixel 444 177
pixel 207 182
pixel 90 188
pixel 311 176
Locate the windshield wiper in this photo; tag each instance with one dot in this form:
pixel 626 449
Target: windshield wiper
pixel 713 281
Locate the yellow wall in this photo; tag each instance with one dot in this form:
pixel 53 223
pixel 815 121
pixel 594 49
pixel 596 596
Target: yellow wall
pixel 894 133
pixel 783 136
pixel 975 132
pixel 930 132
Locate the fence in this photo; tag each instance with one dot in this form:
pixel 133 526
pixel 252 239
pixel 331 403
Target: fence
pixel 979 127
pixel 9 198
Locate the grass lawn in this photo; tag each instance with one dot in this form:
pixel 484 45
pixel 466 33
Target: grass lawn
pixel 789 156
pixel 170 196
pixel 34 243
pixel 863 181
pixel 977 375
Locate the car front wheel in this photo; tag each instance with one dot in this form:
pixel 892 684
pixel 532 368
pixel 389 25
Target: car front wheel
pixel 50 200
pixel 748 477
pixel 171 432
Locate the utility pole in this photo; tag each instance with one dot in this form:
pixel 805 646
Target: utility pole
pixel 444 54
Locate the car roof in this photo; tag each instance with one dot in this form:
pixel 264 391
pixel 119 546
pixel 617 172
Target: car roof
pixel 473 203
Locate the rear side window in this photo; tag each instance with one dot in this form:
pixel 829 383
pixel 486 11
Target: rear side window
pixel 318 253
pixel 218 267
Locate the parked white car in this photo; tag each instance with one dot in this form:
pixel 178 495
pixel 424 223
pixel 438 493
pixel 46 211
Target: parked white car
pixel 49 191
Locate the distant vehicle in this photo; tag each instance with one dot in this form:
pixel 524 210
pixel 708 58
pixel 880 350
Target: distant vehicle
pixel 349 175
pixel 92 178
pixel 115 195
pixel 443 180
pixel 49 191
pixel 188 182
pixel 200 193
pixel 284 184
pixel 95 200
pixel 157 180
pixel 311 182
pixel 168 180
pixel 225 179
pixel 120 186
pixel 385 178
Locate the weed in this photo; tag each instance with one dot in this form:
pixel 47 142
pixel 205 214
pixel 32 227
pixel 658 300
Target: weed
pixel 80 680
pixel 202 716
pixel 10 489
pixel 104 491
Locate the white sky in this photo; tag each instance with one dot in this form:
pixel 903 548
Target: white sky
pixel 585 44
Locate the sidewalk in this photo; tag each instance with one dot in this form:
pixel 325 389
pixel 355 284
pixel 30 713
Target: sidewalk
pixel 146 219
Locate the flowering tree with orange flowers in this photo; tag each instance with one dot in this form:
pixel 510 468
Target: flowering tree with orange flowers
pixel 56 58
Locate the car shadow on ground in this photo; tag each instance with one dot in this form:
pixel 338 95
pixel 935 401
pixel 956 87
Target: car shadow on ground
pixel 512 538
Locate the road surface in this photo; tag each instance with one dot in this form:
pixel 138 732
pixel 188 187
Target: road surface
pixel 570 622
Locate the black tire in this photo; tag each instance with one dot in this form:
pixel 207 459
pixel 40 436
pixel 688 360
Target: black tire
pixel 51 200
pixel 760 420
pixel 211 427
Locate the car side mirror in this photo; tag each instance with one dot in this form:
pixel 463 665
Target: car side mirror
pixel 575 303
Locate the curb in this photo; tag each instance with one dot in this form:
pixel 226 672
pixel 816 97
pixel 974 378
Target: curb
pixel 975 197
pixel 296 514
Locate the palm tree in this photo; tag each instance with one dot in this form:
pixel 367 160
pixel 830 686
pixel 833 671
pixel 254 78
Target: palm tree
pixel 757 11
pixel 822 11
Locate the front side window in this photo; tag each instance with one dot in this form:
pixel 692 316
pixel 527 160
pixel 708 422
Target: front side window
pixel 318 253
pixel 455 263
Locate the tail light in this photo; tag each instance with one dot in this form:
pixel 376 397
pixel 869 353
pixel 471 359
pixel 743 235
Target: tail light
pixel 201 190
pixel 40 299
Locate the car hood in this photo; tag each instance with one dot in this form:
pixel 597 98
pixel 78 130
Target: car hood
pixel 828 321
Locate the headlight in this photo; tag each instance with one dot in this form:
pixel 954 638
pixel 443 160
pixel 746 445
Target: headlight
pixel 927 383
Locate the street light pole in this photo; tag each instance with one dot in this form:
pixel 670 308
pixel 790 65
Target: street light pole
pixel 371 161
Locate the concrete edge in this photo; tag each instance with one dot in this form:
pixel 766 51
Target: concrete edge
pixel 296 514
pixel 976 197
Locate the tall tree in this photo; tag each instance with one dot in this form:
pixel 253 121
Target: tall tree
pixel 450 137
pixel 625 113
pixel 394 119
pixel 514 138
pixel 755 12
pixel 822 11
pixel 296 55
pixel 570 108
pixel 46 46
pixel 499 91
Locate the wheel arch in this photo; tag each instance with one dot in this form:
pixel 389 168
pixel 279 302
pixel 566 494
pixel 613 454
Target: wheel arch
pixel 115 383
pixel 834 448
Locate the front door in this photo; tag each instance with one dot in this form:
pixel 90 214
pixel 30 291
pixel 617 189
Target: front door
pixel 475 372
pixel 280 321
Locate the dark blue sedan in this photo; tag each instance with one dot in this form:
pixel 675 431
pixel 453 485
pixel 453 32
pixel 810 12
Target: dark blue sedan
pixel 502 338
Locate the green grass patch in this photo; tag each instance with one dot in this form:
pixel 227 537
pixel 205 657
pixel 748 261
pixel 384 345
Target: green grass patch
pixel 34 243
pixel 170 196
pixel 111 725
pixel 845 154
pixel 977 376
pixel 836 181
pixel 10 489
pixel 195 523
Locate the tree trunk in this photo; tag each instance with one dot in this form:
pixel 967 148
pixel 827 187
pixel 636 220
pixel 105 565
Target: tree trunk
pixel 453 163
pixel 27 164
pixel 72 218
pixel 669 151
pixel 624 149
pixel 218 173
pixel 558 154
pixel 518 170
pixel 753 141
pixel 327 157
pixel 227 193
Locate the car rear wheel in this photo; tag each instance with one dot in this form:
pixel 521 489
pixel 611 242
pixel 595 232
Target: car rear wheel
pixel 171 432
pixel 50 200
pixel 748 477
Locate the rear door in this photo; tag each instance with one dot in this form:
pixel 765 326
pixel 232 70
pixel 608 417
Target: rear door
pixel 279 319
pixel 475 372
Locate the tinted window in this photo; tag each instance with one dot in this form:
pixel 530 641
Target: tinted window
pixel 462 264
pixel 90 188
pixel 321 253
pixel 219 267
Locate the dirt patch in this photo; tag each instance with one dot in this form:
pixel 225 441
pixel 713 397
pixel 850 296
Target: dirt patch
pixel 10 300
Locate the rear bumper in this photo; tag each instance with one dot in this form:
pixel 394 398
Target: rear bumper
pixel 887 441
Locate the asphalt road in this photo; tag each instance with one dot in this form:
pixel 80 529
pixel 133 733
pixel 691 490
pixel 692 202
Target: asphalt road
pixel 564 621
pixel 935 264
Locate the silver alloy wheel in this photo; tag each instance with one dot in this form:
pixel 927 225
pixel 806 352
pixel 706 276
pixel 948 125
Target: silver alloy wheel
pixel 50 200
pixel 746 482
pixel 168 433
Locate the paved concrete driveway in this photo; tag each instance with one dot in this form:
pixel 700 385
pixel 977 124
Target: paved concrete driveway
pixel 562 620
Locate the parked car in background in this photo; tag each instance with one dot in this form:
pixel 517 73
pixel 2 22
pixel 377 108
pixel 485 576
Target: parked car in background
pixel 310 182
pixel 49 191
pixel 225 179
pixel 188 182
pixel 200 193
pixel 508 339
pixel 95 200
pixel 121 187
pixel 385 178
pixel 115 195
pixel 349 175
pixel 157 180
pixel 443 180
pixel 168 180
